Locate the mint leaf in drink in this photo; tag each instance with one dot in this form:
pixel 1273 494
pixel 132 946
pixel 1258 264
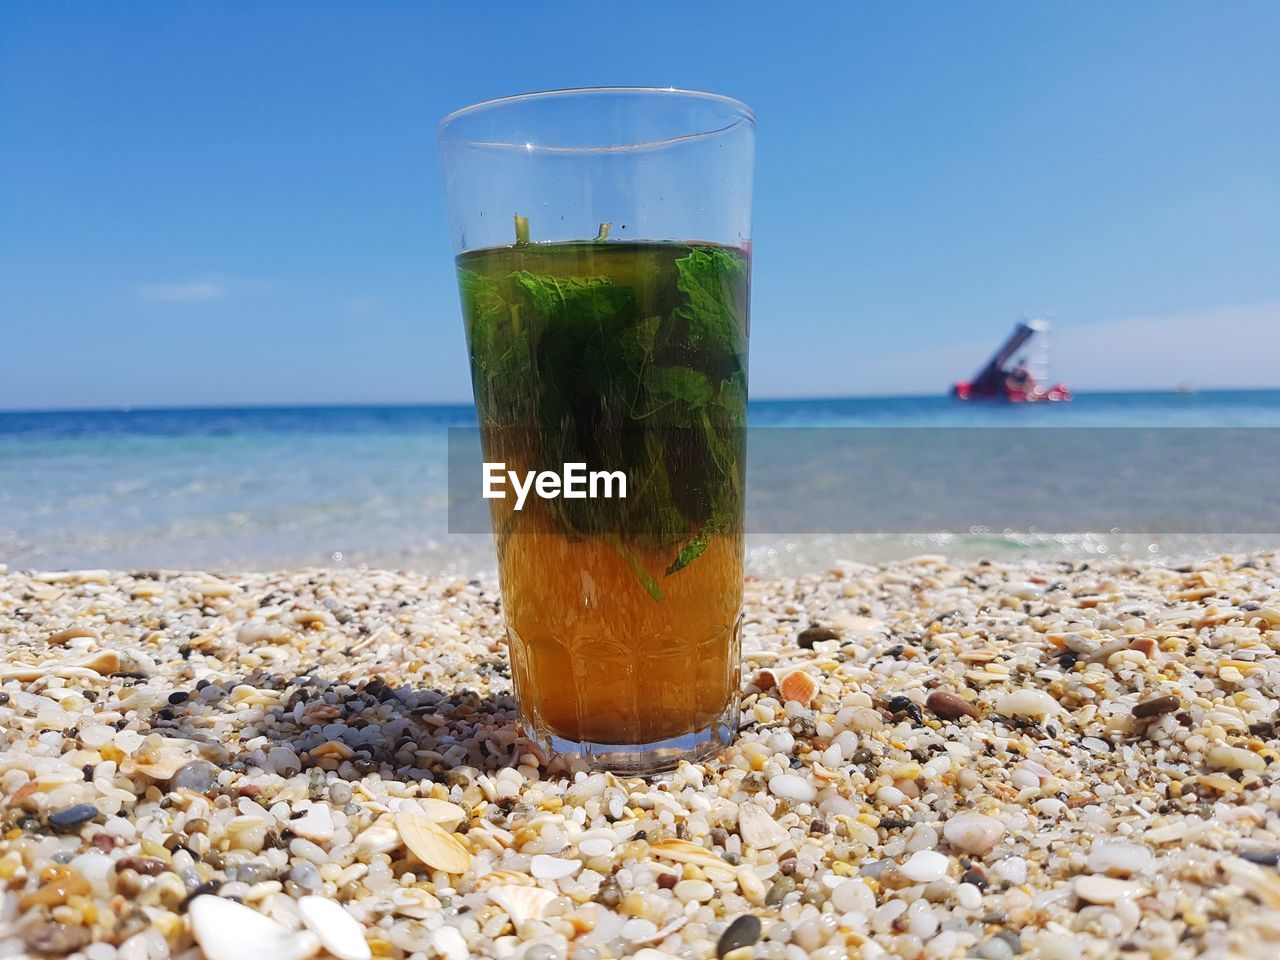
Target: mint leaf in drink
pixel 501 357
pixel 715 283
pixel 622 356
pixel 697 544
pixel 677 395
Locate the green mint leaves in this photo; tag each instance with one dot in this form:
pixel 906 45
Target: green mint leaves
pixel 639 365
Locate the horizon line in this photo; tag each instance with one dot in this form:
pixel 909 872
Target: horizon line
pixel 383 404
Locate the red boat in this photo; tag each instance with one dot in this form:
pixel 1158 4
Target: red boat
pixel 1024 380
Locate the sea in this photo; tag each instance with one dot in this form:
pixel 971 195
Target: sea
pixel 252 488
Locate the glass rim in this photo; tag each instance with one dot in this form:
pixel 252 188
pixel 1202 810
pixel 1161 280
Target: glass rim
pixel 738 111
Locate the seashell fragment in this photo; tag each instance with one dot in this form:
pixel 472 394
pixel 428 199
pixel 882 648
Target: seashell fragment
pixel 798 685
pixel 227 930
pixel 546 867
pixel 316 823
pixel 414 902
pixel 161 765
pixel 661 934
pixel 682 851
pixel 379 837
pixel 431 843
pixel 102 663
pixel 71 633
pixel 505 877
pixel 521 903
pixel 447 814
pixel 334 749
pixel 758 829
pixel 340 933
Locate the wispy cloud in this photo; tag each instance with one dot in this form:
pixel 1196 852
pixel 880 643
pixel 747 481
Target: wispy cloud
pixel 197 291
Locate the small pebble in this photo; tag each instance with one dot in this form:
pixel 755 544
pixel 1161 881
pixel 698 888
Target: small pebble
pixel 973 833
pixel 1029 703
pixel 1120 859
pixel 791 787
pixel 744 931
pixel 73 816
pixel 553 868
pixel 197 776
pixel 1156 707
pixel 947 706
pixel 1105 890
pixel 924 866
pixel 305 875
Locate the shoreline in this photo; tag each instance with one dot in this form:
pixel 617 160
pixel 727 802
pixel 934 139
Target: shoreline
pixel 1056 758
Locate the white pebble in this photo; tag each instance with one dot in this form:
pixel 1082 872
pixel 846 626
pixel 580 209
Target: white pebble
pixel 1027 702
pixel 1025 779
pixel 597 846
pixel 1050 807
pixel 227 930
pixel 968 896
pixel 791 787
pixel 1235 758
pixel 340 933
pixel 1058 946
pixel 853 896
pixel 545 867
pixel 1011 870
pixel 448 942
pixel 316 824
pixel 921 920
pixel 891 796
pixel 1120 859
pixel 925 866
pixel 1105 890
pixel 128 740
pixel 698 890
pixel 637 928
pixel 974 833
pixel 97 735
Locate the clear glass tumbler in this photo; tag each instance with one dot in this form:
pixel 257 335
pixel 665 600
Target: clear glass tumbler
pixel 603 253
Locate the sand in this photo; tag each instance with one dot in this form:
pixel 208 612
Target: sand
pixel 1042 759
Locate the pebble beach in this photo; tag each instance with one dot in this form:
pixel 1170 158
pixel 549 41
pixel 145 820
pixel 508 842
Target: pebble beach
pixel 1040 759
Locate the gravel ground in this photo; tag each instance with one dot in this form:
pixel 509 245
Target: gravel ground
pixel 1031 759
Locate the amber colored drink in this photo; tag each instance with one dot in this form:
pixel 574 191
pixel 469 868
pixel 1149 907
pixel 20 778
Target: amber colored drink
pixel 622 612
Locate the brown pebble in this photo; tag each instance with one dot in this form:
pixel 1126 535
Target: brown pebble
pixel 948 706
pixel 147 866
pixel 56 939
pixel 1157 707
pixel 815 633
pixel 667 880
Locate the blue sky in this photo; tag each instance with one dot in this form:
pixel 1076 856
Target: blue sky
pixel 240 203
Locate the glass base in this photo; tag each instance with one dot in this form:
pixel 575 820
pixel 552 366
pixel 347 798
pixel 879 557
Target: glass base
pixel 644 759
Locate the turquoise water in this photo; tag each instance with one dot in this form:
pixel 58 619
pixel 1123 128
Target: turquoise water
pixel 260 488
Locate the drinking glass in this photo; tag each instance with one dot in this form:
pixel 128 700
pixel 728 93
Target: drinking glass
pixel 603 253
